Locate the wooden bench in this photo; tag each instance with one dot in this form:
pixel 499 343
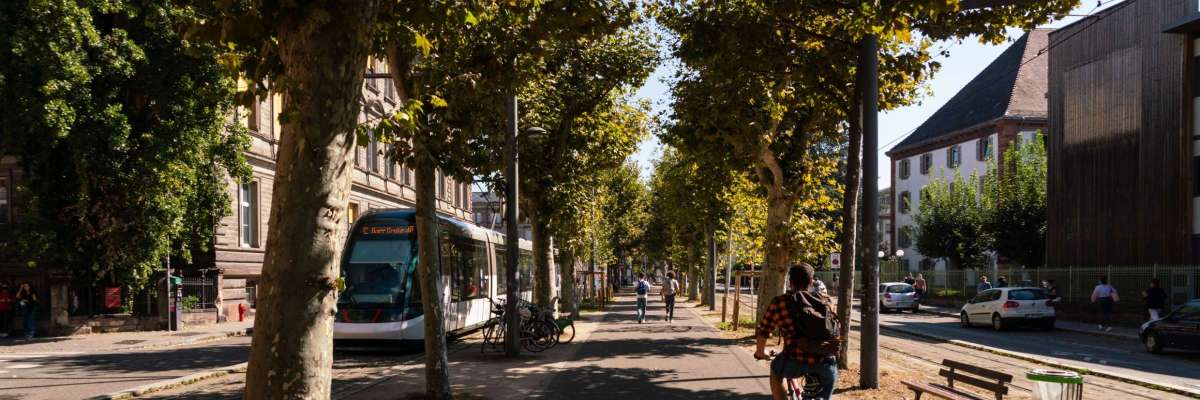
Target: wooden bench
pixel 954 371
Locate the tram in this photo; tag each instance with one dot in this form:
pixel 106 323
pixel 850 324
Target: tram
pixel 381 302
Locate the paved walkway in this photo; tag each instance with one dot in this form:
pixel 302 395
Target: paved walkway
pixel 119 341
pixel 613 357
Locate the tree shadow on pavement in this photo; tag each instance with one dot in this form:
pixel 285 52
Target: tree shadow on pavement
pixel 591 382
pixel 171 361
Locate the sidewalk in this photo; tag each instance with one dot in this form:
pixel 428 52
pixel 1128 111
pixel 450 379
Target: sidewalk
pixel 612 357
pixel 123 341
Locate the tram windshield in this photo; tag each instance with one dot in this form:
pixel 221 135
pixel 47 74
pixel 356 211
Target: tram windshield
pixel 378 268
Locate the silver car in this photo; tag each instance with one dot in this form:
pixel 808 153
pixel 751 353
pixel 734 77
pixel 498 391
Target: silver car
pixel 898 296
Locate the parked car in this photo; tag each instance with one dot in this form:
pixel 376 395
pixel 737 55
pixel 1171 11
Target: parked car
pixel 1005 307
pixel 1179 329
pixel 898 296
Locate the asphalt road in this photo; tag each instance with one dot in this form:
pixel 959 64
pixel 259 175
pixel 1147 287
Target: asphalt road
pixel 1124 357
pixel 74 375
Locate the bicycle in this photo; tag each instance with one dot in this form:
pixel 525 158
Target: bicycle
pixel 566 327
pixel 535 335
pixel 810 389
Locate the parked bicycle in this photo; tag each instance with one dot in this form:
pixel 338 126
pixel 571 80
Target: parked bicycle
pixel 536 335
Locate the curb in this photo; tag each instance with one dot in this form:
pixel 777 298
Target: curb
pixel 1061 328
pixel 1176 389
pixel 172 383
pixel 196 340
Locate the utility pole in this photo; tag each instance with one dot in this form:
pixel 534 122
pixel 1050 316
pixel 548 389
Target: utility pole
pixel 868 81
pixel 512 253
pixel 710 290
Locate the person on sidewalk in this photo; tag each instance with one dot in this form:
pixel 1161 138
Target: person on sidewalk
pixel 27 300
pixel 1156 299
pixel 1106 296
pixel 1002 281
pixel 809 329
pixel 920 286
pixel 818 287
pixel 983 284
pixel 643 293
pixel 6 307
pixel 669 289
pixel 1051 290
pixel 909 279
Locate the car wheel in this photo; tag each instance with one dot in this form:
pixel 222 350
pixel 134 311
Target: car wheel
pixel 997 322
pixel 963 320
pixel 915 308
pixel 882 308
pixel 1152 343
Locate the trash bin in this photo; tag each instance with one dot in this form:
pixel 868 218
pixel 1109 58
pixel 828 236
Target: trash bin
pixel 1056 385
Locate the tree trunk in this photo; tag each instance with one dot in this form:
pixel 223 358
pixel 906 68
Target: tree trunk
pixel 566 271
pixel 778 247
pixel 437 373
pixel 541 260
pixel 710 276
pixel 850 195
pixel 693 272
pixel 323 60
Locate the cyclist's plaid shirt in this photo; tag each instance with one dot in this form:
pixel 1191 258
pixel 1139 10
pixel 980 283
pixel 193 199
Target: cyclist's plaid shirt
pixel 779 318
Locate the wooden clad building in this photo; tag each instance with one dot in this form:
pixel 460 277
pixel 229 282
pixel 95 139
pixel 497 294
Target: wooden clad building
pixel 1122 145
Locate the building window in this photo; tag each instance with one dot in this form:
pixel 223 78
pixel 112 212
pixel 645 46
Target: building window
pixel 5 199
pixel 926 163
pixel 953 157
pixel 248 213
pixel 440 186
pixel 405 175
pixel 905 239
pixel 388 159
pixel 904 169
pixel 983 149
pixel 373 154
pixel 925 192
pixel 905 202
pixel 371 67
pixel 252 114
pixel 351 214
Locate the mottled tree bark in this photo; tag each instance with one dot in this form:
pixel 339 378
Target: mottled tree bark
pixel 291 355
pixel 778 247
pixel 437 373
pixel 541 260
pixel 566 270
pixel 850 195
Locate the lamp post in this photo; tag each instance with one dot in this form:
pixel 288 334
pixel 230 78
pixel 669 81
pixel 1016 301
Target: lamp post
pixel 512 233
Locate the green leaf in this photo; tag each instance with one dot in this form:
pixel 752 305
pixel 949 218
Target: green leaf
pixel 438 102
pixel 422 42
pixel 470 19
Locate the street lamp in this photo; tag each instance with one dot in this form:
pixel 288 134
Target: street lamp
pixel 899 253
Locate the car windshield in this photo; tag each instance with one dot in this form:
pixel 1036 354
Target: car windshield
pixel 377 269
pixel 1027 294
pixel 899 289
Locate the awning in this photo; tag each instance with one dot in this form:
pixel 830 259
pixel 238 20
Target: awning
pixel 1188 24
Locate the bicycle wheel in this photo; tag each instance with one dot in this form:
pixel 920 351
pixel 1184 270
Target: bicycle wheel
pixel 545 333
pixel 566 331
pixel 529 338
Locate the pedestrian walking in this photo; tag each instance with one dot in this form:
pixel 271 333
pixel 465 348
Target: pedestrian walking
pixel 6 308
pixel 643 293
pixel 1106 296
pixel 27 301
pixel 809 329
pixel 669 289
pixel 1051 290
pixel 909 279
pixel 983 284
pixel 818 287
pixel 920 286
pixel 1156 299
pixel 1002 281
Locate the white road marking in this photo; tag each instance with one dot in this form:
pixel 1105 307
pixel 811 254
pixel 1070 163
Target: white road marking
pixel 24 366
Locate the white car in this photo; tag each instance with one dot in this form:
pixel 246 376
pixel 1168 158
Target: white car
pixel 898 296
pixel 1004 307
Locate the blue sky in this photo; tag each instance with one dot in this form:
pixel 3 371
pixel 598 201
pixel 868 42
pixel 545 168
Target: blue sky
pixel 966 59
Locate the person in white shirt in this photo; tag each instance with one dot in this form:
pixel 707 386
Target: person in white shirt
pixel 669 289
pixel 1106 296
pixel 643 293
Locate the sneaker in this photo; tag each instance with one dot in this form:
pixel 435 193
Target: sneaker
pixel 1099 327
pixel 1108 329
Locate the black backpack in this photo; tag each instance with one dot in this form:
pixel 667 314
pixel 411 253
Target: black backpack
pixel 642 287
pixel 817 321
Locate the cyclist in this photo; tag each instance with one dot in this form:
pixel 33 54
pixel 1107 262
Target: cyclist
pixel 670 287
pixel 809 329
pixel 643 292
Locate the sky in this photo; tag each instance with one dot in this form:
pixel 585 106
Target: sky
pixel 965 60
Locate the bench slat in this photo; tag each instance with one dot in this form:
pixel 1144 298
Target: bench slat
pixel 973 381
pixel 941 391
pixel 987 373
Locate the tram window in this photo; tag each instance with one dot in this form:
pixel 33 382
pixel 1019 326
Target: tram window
pixel 480 262
pixel 501 277
pixel 526 269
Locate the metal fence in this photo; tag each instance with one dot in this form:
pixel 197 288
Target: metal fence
pixel 1074 284
pixel 203 288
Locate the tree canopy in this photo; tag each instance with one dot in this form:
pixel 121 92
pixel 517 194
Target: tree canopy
pixel 1016 200
pixel 120 125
